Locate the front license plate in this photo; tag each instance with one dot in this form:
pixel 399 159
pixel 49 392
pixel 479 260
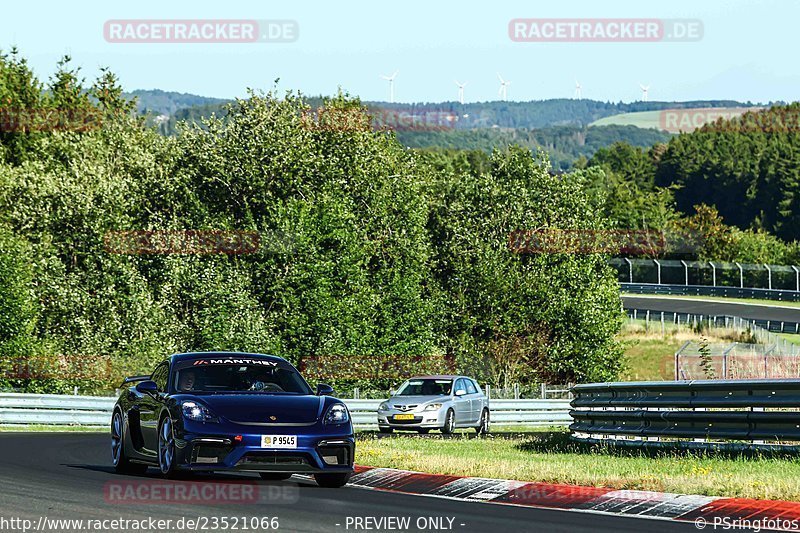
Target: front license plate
pixel 404 417
pixel 279 441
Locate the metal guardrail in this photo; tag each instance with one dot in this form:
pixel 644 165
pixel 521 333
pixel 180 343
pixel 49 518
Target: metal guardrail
pixel 719 274
pixel 715 321
pixel 751 413
pixel 705 290
pixel 53 409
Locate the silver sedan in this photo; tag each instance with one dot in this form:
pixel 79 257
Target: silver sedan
pixel 435 402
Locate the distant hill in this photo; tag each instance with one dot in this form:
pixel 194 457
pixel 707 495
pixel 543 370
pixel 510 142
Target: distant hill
pixel 533 114
pixel 160 102
pixel 564 144
pixel 543 113
pixel 558 126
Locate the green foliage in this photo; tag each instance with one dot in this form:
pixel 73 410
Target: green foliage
pixel 750 174
pixel 17 307
pixel 706 361
pixel 550 317
pixel 367 248
pixel 564 144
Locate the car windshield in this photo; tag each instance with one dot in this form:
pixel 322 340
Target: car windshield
pixel 238 377
pixel 426 387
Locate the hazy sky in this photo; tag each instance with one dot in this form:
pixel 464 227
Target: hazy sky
pixel 748 51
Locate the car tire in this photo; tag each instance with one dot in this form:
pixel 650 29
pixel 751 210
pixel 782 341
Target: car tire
pixel 274 476
pixel 385 430
pixel 483 428
pixel 449 423
pixel 166 448
pixel 122 465
pixel 332 481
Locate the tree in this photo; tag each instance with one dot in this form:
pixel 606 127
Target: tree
pixel 548 317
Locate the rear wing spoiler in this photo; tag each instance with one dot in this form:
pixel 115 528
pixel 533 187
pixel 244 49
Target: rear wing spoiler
pixel 133 379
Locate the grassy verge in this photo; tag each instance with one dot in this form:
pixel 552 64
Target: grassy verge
pixel 791 337
pixel 650 352
pixel 552 458
pixel 40 428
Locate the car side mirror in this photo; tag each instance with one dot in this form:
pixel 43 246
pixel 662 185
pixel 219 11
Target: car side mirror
pixel 460 392
pixel 147 387
pixel 324 389
pixel 391 392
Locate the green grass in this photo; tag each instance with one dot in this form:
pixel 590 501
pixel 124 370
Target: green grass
pixel 650 360
pixel 552 458
pixel 653 119
pixel 791 337
pixel 640 119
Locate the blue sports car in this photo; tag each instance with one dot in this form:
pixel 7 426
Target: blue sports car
pixel 231 412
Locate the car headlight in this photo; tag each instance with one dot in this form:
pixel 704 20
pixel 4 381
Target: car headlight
pixel 433 407
pixel 337 414
pixel 197 412
pixel 383 406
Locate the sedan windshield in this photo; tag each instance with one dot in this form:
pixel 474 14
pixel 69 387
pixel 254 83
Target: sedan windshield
pixel 426 387
pixel 240 378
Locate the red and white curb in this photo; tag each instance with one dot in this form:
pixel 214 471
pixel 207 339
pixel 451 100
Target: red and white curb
pixel 701 510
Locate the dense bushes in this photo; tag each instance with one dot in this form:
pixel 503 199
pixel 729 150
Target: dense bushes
pixel 366 249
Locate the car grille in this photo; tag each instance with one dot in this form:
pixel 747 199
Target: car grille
pixel 335 455
pixel 405 407
pixel 209 454
pixel 267 458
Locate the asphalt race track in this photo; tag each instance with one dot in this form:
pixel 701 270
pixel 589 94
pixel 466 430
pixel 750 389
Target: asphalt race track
pixel 752 311
pixel 68 476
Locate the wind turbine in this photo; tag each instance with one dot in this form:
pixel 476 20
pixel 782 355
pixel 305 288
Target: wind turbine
pixel 461 91
pixel 644 89
pixel 503 87
pixel 390 79
pixel 577 90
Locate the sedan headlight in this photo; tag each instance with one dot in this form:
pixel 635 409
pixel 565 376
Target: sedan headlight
pixel 383 406
pixel 197 412
pixel 337 414
pixel 433 407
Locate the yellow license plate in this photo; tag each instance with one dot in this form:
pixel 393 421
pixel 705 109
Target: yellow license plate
pixel 404 417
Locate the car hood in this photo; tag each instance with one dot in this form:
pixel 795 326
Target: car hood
pixel 416 400
pixel 264 408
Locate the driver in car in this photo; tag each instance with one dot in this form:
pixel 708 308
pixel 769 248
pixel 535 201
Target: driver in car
pixel 186 382
pixel 263 382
